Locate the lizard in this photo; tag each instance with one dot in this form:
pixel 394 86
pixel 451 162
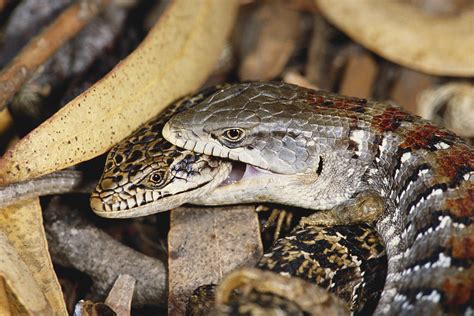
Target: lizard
pixel 339 260
pixel 346 157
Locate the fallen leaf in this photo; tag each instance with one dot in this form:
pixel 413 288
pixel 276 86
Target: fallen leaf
pixel 22 293
pixel 404 34
pixel 450 105
pixel 174 59
pixel 205 244
pixel 22 226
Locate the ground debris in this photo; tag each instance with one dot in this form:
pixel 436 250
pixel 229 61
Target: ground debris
pixel 206 244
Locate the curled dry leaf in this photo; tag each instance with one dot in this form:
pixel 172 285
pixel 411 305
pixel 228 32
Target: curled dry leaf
pixel 21 226
pixel 174 59
pixel 404 34
pixel 450 105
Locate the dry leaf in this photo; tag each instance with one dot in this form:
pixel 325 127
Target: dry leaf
pixel 22 224
pixel 450 105
pixel 22 293
pixel 402 33
pixel 174 59
pixel 206 244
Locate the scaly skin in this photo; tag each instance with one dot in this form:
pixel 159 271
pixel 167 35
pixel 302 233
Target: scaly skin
pixel 145 174
pixel 347 151
pixel 343 268
pixel 348 261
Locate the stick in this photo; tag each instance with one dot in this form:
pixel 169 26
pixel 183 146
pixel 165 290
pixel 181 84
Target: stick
pixel 44 45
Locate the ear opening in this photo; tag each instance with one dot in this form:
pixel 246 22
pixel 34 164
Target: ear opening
pixel 320 166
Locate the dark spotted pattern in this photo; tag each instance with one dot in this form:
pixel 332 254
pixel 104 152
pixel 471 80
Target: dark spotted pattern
pixel 127 182
pixel 349 261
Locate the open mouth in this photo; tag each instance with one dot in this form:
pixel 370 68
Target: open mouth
pixel 242 171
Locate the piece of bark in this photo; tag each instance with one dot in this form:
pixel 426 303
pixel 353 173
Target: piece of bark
pixel 206 244
pixel 120 296
pixel 408 86
pixel 386 77
pixel 75 242
pixel 359 75
pixel 278 32
pixel 32 104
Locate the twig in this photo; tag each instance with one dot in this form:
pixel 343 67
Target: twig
pixel 43 46
pixel 75 242
pixel 59 182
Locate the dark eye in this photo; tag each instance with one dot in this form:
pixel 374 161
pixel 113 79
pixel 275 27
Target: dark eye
pixel 234 134
pixel 156 178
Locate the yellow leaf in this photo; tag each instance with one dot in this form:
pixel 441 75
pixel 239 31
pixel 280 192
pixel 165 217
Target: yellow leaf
pixel 441 45
pixel 174 59
pixel 21 227
pixel 21 293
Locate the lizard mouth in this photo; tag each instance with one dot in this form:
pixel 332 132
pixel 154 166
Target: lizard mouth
pixel 243 171
pixel 142 204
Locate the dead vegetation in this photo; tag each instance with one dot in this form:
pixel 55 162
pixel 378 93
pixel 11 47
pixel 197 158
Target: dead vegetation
pixel 77 77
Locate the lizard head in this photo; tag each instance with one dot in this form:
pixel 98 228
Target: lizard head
pixel 255 123
pixel 145 174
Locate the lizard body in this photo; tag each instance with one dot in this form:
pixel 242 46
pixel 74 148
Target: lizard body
pixel 341 151
pixel 352 252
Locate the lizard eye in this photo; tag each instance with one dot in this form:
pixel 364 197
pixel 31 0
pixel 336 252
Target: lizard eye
pixel 157 177
pixel 233 134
